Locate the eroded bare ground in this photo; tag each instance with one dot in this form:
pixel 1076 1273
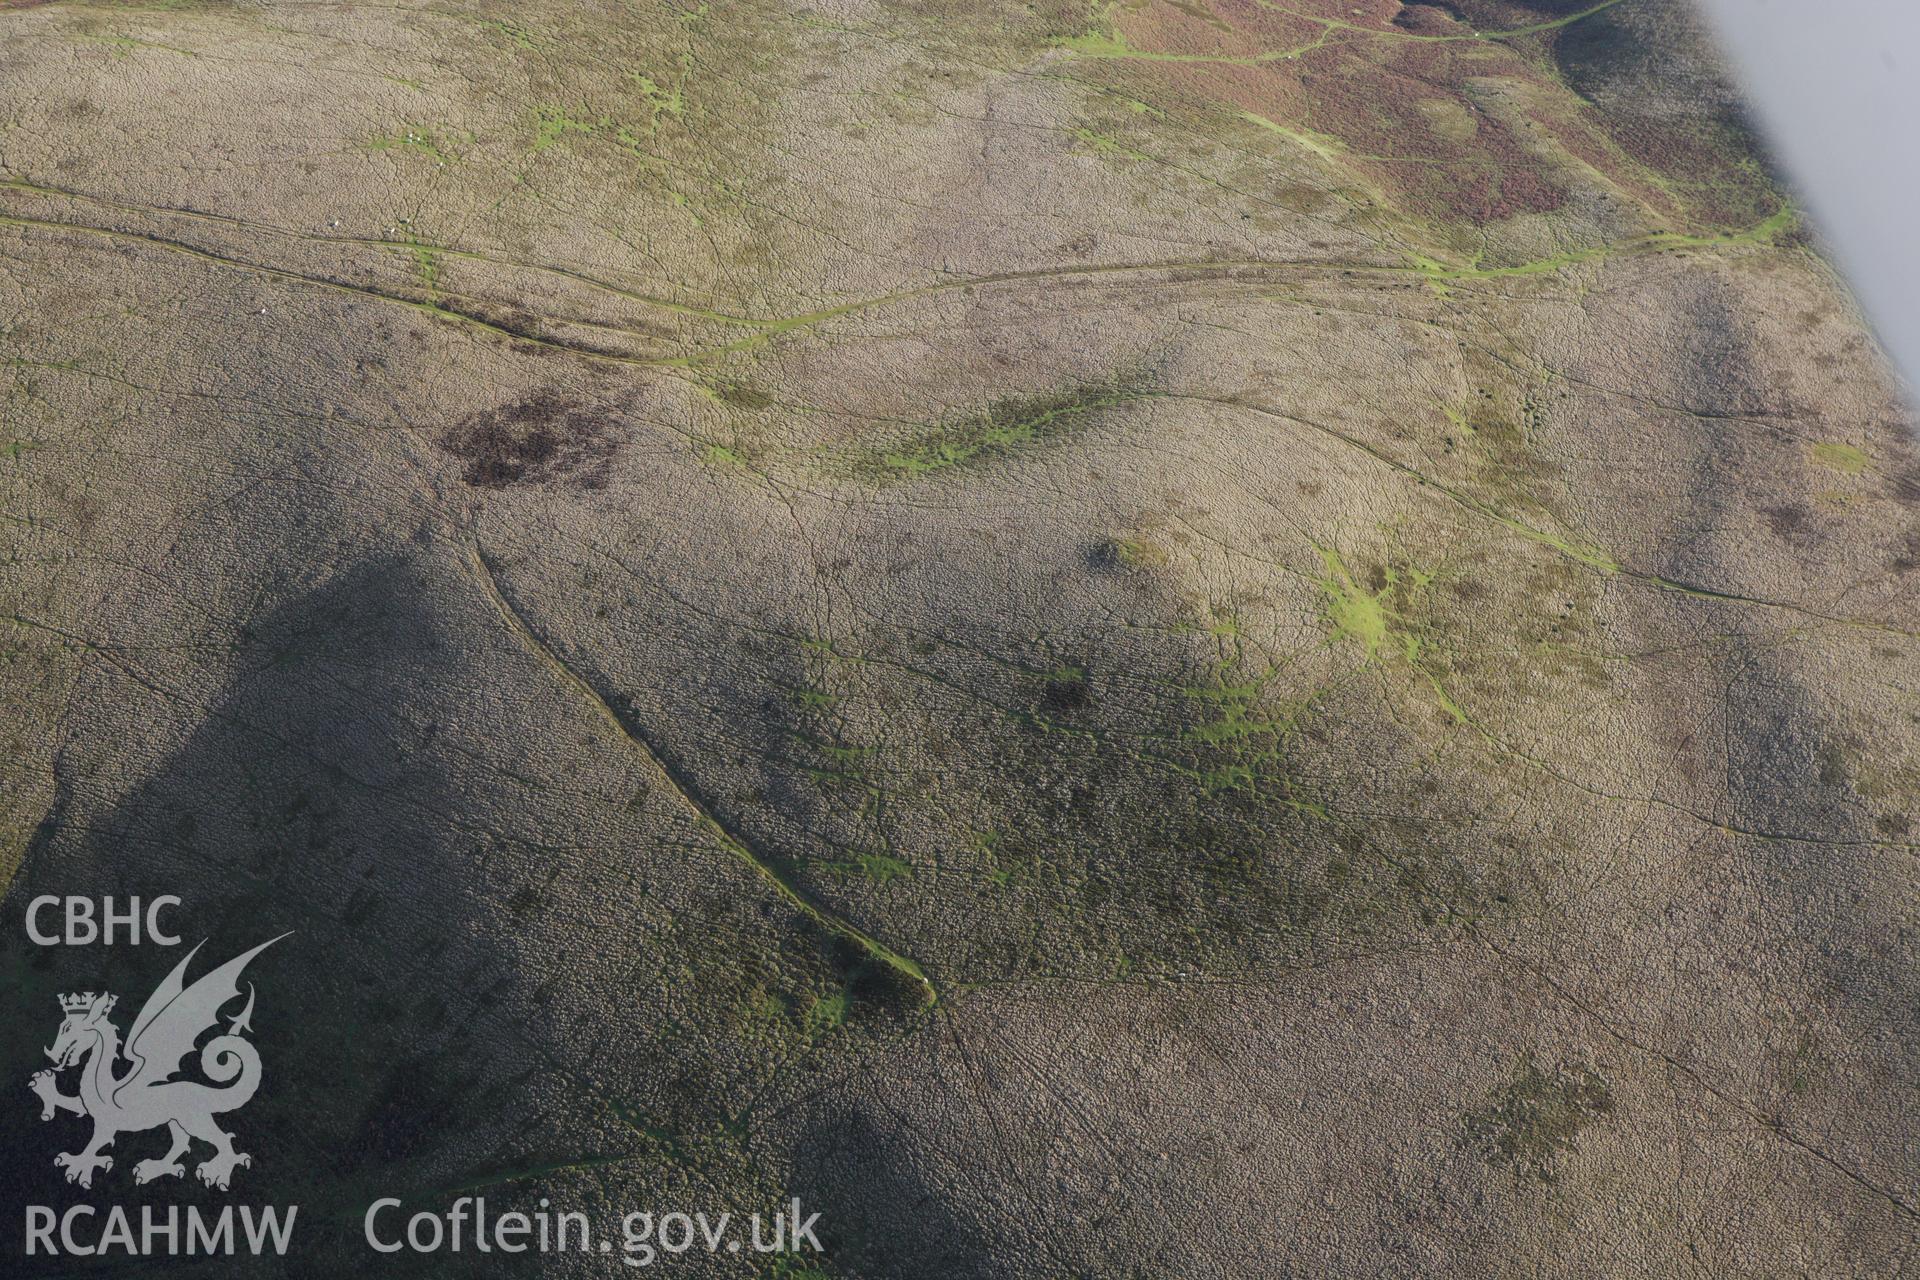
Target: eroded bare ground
pixel 1177 639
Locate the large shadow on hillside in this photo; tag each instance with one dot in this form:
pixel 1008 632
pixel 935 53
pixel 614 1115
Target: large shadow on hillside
pixel 319 796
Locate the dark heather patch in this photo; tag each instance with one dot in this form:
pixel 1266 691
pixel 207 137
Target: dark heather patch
pixel 538 440
pixel 1066 694
pixel 743 397
pixel 1907 557
pixel 1537 1115
pixel 1432 18
pixel 1788 522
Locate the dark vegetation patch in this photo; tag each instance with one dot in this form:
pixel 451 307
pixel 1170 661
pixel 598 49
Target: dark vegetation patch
pixel 1124 554
pixel 1137 802
pixel 1188 820
pixel 415 1106
pixel 1907 557
pixel 1064 693
pixel 1538 1115
pixel 885 990
pixel 1372 98
pixel 1837 759
pixel 1413 115
pixel 872 987
pixel 1788 521
pixel 1507 15
pixel 540 439
pixel 1005 427
pixel 1904 487
pixel 743 397
pixel 1428 19
pixel 1376 109
pixel 1672 111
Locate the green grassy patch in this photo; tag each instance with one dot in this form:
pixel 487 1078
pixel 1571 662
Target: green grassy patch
pixel 1354 613
pixel 828 1011
pixel 722 455
pixel 1136 553
pixel 415 138
pixel 881 867
pixel 514 34
pixel 1005 427
pixel 1843 458
pixel 660 99
pixel 1381 619
pixel 551 124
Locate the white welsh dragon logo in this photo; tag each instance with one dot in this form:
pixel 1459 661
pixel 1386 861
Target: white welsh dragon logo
pixel 146 1096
